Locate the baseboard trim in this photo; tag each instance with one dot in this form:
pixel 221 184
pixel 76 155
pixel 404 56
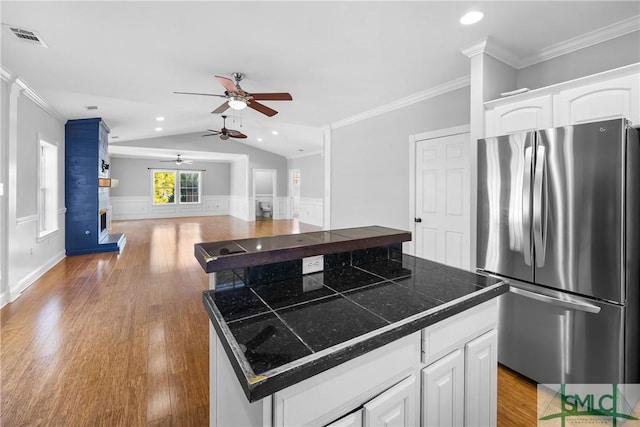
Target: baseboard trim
pixel 28 280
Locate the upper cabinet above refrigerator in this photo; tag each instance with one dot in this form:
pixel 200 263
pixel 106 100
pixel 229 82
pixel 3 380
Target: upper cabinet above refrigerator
pixel 609 95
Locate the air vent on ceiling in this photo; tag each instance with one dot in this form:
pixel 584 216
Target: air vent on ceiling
pixel 28 36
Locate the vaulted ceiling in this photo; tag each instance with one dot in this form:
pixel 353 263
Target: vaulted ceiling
pixel 338 59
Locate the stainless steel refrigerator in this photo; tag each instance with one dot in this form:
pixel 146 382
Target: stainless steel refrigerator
pixel 559 218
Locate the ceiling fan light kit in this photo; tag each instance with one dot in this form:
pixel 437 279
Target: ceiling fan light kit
pixel 237 103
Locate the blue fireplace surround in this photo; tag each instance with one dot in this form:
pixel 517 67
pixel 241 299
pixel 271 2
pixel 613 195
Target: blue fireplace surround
pixel 86 202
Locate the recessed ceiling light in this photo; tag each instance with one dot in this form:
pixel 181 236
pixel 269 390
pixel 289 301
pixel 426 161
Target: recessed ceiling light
pixel 92 107
pixel 158 129
pixel 115 137
pixel 275 132
pixel 160 119
pixel 471 17
pixel 259 139
pixel 300 149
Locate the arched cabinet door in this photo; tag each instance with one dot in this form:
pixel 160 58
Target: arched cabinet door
pixel 611 99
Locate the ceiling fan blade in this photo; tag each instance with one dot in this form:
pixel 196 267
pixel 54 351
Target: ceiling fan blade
pixel 262 108
pixel 235 134
pixel 211 134
pixel 197 93
pixel 283 96
pixel 228 84
pixel 215 132
pixel 221 109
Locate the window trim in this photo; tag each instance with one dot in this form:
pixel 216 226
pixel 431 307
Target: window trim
pixel 43 213
pixel 177 187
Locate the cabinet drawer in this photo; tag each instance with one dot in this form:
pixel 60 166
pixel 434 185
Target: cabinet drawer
pixel 331 394
pixel 454 332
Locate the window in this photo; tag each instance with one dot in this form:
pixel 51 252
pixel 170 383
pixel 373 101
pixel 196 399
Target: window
pixel 47 188
pixel 166 186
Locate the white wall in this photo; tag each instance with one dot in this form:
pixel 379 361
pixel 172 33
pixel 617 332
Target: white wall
pixel 25 117
pixel 370 160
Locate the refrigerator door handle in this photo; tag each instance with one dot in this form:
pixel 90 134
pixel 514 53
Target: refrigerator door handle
pixel 540 206
pixel 564 302
pixel 526 205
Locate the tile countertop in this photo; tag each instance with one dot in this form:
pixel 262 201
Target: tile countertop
pixel 280 333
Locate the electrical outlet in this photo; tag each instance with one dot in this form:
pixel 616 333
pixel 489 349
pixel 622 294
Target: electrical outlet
pixel 312 264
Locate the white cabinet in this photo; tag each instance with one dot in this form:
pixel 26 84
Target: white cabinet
pixel 459 384
pixel 608 95
pixel 353 419
pixel 481 375
pixel 443 375
pixel 612 99
pixel 443 391
pixel 394 407
pixel 530 114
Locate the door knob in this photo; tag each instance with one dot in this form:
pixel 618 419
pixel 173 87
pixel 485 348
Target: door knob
pixel 417 219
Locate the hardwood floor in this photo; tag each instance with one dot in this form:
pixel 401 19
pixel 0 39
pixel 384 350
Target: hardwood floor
pixel 122 340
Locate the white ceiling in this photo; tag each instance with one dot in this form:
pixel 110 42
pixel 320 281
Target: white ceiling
pixel 338 59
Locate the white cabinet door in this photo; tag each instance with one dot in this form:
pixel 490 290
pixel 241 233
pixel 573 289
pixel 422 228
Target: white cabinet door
pixel 354 419
pixel 529 114
pixel 443 391
pixel 394 407
pixel 611 99
pixel 481 368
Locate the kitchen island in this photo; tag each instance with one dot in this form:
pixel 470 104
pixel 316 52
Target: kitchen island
pixel 339 327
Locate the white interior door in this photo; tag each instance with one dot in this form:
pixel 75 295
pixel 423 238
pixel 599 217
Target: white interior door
pixel 442 231
pixel 294 193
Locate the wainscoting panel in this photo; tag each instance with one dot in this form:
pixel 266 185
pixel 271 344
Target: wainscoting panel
pixel 128 208
pixel 311 211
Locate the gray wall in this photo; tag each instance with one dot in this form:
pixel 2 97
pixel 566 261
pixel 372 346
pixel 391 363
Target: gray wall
pixel 370 160
pixel 258 159
pixel 311 175
pixel 135 178
pixel 263 184
pixel 594 59
pixel 25 256
pixel 34 121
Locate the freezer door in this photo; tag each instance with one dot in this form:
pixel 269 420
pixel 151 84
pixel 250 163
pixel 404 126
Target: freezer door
pixel 578 209
pixel 504 243
pixel 553 338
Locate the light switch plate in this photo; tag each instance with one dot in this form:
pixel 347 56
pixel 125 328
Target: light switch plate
pixel 312 264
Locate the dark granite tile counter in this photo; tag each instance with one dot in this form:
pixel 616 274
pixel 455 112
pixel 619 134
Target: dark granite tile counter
pixel 277 333
pixel 225 255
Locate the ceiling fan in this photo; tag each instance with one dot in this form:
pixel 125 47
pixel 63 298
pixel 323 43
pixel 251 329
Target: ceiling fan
pixel 225 133
pixel 238 98
pixel 179 161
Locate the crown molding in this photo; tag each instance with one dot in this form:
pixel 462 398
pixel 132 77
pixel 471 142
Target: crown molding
pixel 29 93
pixel 6 75
pixel 490 47
pixel 603 34
pixel 404 102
